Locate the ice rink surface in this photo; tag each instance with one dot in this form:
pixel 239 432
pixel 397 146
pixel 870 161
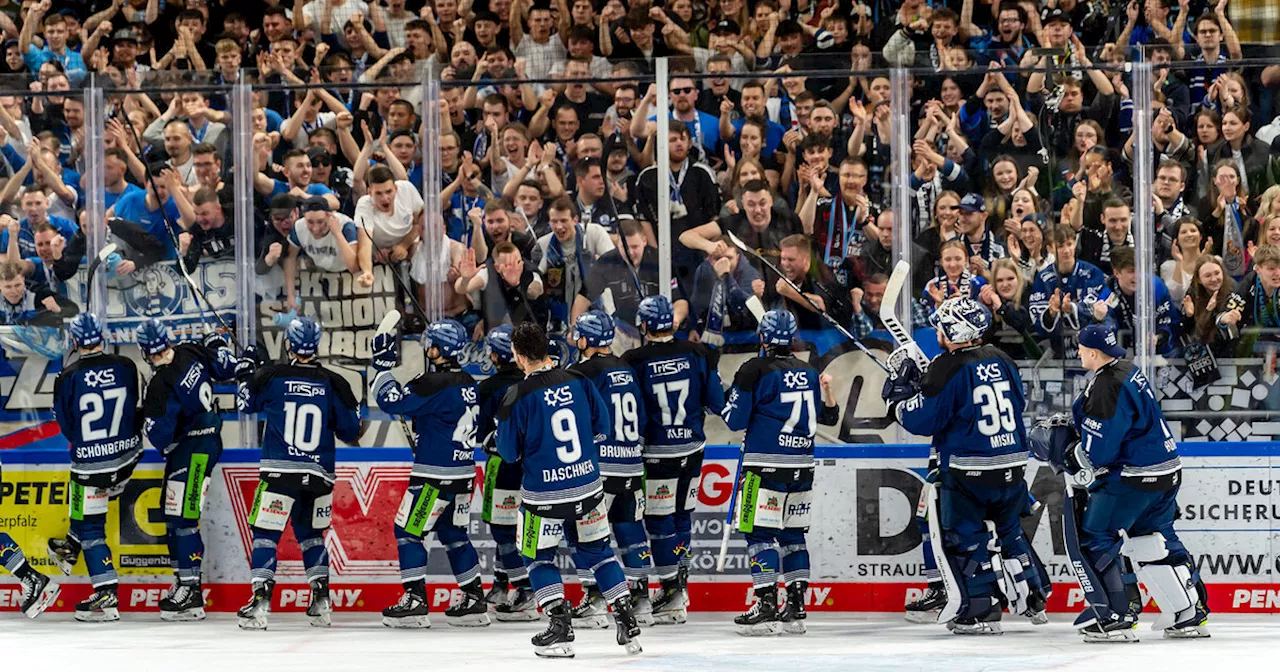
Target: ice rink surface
pixel 871 643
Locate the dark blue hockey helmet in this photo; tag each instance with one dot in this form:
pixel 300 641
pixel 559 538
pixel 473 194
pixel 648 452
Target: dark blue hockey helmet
pixel 961 319
pixel 499 342
pixel 597 327
pixel 448 335
pixel 86 330
pixel 153 337
pixel 304 336
pixel 778 328
pixel 657 314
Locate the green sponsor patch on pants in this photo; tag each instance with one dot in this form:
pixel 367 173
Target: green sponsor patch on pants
pixel 529 538
pixel 257 503
pixel 196 474
pixel 747 510
pixel 421 514
pixel 77 501
pixel 490 482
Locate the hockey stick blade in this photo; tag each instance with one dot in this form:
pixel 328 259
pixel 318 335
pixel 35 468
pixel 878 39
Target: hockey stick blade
pixel 755 307
pixel 737 242
pixel 106 251
pixel 889 315
pixel 389 322
pixel 606 300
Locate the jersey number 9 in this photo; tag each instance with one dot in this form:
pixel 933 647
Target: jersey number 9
pixel 564 426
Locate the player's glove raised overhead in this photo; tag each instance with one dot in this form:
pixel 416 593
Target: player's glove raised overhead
pixel 385 352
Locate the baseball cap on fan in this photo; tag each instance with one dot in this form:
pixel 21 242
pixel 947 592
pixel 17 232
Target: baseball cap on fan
pixel 726 27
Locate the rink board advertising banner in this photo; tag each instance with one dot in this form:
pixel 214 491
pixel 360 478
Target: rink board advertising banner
pixel 865 544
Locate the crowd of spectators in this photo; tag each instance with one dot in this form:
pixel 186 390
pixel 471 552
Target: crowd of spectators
pixel 1022 149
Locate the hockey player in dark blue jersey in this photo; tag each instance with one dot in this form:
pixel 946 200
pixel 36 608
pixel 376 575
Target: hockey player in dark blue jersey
pixel 182 422
pixel 305 408
pixel 443 406
pixel 971 403
pixel 680 381
pixel 501 508
pixel 1128 461
pixel 96 402
pixel 551 423
pixel 774 398
pixel 621 466
pixel 38 591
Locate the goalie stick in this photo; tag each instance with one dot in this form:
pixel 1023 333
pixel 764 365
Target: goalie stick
pixel 889 317
pixel 737 242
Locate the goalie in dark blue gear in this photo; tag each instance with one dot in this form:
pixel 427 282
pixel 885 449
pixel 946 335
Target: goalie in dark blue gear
pixel 501 509
pixel 971 403
pixel 774 398
pixel 305 409
pixel 96 402
pixel 551 423
pixel 183 423
pixel 1128 461
pixel 621 465
pixel 680 381
pixel 443 406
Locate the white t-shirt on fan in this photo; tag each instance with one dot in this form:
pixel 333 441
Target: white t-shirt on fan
pixel 387 230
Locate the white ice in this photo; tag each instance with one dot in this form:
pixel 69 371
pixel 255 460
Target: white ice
pixel 872 643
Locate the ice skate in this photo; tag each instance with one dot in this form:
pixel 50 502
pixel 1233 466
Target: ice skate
pixel 628 628
pixel 321 609
pixel 557 640
pixel 761 620
pixel 792 614
pixel 926 609
pixel 63 554
pixel 986 624
pixel 640 604
pixel 101 607
pixel 591 612
pixel 472 611
pixel 253 616
pixel 522 607
pixel 38 593
pixel 184 603
pixel 670 604
pixel 411 611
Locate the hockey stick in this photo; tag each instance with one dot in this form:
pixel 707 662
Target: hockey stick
pixel 388 326
pixel 737 242
pixel 196 292
pixel 106 251
pixel 395 274
pixel 728 518
pixel 889 316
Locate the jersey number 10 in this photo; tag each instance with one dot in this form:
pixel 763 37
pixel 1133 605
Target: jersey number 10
pixel 302 426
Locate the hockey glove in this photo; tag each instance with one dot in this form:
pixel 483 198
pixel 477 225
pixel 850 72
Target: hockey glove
pixel 247 363
pixel 385 353
pixel 214 340
pixel 1077 464
pixel 903 384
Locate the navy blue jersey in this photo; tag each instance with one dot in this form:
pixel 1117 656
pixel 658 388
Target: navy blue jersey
pixel 179 401
pixel 1084 283
pixel 971 403
pixel 306 407
pixel 491 390
pixel 779 402
pixel 620 451
pixel 1121 425
pixel 550 422
pixel 680 380
pixel 443 407
pixel 95 401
